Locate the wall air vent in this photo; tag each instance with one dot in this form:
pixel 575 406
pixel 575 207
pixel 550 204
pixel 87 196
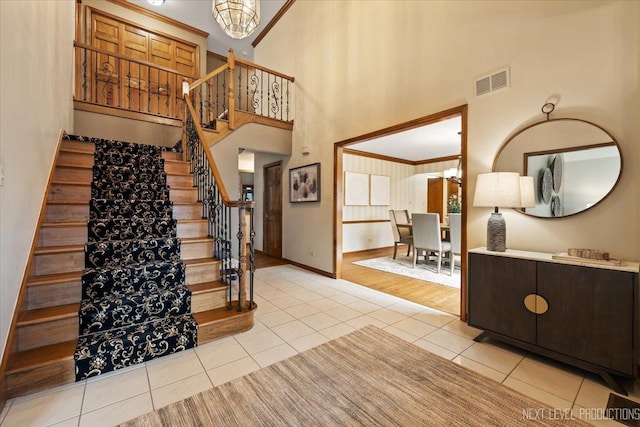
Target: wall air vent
pixel 492 82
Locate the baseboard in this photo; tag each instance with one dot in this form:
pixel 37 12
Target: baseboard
pixel 364 251
pixel 312 269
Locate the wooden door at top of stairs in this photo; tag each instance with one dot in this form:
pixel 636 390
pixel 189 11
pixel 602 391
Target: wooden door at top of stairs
pixel 273 210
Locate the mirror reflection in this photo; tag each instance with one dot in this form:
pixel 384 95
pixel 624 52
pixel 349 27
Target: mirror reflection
pixel 575 164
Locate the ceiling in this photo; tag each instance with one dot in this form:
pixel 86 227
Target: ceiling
pixel 197 13
pixel 441 139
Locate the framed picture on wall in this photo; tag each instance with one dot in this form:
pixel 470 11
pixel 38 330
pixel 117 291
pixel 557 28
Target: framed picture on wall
pixel 380 190
pixel 304 183
pixel 356 189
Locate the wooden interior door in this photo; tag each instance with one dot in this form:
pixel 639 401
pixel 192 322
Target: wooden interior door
pixel 434 196
pixel 136 87
pixel 272 236
pixel 133 85
pixel 105 69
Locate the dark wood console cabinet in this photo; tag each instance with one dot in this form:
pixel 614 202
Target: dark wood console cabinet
pixel 582 314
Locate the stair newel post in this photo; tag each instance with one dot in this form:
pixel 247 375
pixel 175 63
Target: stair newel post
pixel 228 273
pixel 252 254
pixel 242 255
pixel 232 103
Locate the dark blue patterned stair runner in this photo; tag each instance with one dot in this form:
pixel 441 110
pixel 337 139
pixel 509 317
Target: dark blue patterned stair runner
pixel 135 302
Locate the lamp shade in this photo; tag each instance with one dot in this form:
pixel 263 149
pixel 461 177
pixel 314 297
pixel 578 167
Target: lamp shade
pixel 237 18
pixel 527 195
pixel 498 189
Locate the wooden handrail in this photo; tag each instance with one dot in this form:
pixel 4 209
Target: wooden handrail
pixel 212 74
pixel 126 58
pixel 268 70
pixel 224 67
pixel 212 163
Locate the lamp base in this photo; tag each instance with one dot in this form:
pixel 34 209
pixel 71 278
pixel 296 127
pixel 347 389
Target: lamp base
pixel 496 233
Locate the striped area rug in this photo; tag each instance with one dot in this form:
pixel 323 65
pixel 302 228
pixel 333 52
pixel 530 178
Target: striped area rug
pixel 368 377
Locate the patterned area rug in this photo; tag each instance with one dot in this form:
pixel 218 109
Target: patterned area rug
pixel 403 265
pixel 368 377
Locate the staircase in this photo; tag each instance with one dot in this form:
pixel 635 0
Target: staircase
pixel 71 274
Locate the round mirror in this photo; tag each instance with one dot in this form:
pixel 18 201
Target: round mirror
pixel 575 164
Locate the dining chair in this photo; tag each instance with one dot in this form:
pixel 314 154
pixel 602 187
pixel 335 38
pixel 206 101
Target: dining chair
pixel 403 234
pixel 427 237
pixel 455 236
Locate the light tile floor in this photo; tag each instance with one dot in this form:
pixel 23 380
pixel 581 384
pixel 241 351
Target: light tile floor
pixel 299 310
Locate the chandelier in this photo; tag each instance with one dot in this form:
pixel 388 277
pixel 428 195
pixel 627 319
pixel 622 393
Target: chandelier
pixel 237 18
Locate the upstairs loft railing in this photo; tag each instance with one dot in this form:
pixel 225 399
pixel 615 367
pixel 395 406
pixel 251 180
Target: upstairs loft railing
pixel 241 85
pixel 113 80
pixel 219 210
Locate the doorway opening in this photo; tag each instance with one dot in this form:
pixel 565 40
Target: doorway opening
pixel 349 218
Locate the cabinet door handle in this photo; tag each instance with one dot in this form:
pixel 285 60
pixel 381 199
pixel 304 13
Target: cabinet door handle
pixel 536 304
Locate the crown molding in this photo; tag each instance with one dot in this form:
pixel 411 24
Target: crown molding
pixel 159 17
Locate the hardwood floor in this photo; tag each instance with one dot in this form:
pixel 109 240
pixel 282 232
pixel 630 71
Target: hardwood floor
pixel 261 260
pixel 433 295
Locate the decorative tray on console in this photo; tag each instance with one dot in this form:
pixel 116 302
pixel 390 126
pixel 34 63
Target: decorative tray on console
pixel 592 256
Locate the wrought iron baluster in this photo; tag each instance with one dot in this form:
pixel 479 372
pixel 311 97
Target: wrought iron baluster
pixel 140 87
pixel 149 87
pixel 224 91
pixel 247 86
pixel 129 84
pixel 261 92
pixel 239 106
pixel 268 94
pixel 281 79
pixel 84 76
pixel 252 265
pixel 217 95
pixel 288 82
pixel 239 270
pixel 275 88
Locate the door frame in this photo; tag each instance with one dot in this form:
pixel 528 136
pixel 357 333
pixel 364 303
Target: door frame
pixel 338 187
pixel 264 206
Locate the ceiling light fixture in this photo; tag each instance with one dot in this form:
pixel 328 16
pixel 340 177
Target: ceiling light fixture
pixel 156 2
pixel 237 18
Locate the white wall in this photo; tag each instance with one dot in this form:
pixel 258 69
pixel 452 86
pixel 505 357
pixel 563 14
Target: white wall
pixel 36 39
pixel 361 66
pixel 112 127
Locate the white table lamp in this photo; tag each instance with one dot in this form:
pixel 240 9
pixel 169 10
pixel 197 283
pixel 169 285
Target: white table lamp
pixel 527 194
pixel 499 190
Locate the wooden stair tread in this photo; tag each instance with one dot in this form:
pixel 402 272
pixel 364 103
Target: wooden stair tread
pixel 48 279
pixel 73 166
pixel 58 249
pixel 68 202
pixel 41 356
pixel 66 149
pixel 197 261
pixel 197 288
pixel 79 183
pixel 65 224
pixel 191 221
pixel 217 314
pixel 40 315
pixel 196 240
pixel 174 187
